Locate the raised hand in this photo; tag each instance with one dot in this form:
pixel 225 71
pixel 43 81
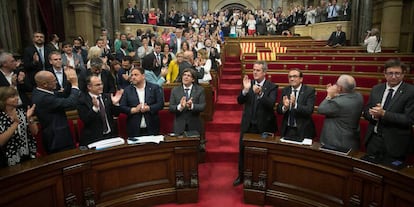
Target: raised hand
pixel 95 102
pixel 35 58
pixel 71 76
pixel 189 103
pixel 20 77
pixel 247 84
pixel 183 102
pixel 117 97
pixel 30 111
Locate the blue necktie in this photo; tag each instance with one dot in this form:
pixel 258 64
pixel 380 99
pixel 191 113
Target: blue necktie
pixel 388 99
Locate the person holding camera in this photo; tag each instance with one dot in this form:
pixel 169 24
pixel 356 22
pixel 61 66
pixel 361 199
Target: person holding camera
pixel 373 41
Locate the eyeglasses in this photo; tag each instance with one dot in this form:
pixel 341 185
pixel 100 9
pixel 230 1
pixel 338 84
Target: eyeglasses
pixel 396 74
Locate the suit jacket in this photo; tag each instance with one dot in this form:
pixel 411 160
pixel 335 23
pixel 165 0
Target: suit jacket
pixel 397 121
pixel 76 58
pixel 173 44
pixel 334 39
pixel 187 117
pixel 32 68
pixel 302 112
pixel 50 110
pixel 122 83
pixel 64 89
pixel 133 19
pixel 93 124
pixel 265 116
pixel 341 125
pixel 149 62
pixel 23 89
pixel 153 98
pixel 106 77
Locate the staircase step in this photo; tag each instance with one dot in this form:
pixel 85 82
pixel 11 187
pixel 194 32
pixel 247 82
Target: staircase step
pixel 231 79
pixel 229 89
pixel 226 116
pixel 231 71
pixel 223 127
pixel 232 59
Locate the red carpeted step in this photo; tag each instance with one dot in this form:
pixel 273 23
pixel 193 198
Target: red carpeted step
pixel 229 89
pixel 232 59
pixel 231 79
pixel 231 71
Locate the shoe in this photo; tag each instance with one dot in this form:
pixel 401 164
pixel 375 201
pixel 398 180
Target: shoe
pixel 238 181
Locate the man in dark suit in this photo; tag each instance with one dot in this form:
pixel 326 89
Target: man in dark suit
pixel 187 101
pixel 154 61
pixel 259 98
pixel 141 101
pixel 12 77
pixel 342 108
pixel 337 38
pixel 96 110
pixel 125 72
pixel 96 69
pixel 63 87
pixel 175 41
pixel 131 14
pixel 50 110
pixel 35 57
pixel 296 105
pixel 389 134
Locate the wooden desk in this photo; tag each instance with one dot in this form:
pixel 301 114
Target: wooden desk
pixel 283 174
pixel 126 175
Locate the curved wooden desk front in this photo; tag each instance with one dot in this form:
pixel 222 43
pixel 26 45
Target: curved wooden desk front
pixel 283 174
pixel 126 175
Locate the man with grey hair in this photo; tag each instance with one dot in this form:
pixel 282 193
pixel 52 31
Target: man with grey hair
pixel 96 69
pixel 342 108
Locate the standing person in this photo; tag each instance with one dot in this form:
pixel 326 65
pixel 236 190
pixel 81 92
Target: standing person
pixel 258 97
pixel 35 57
pixel 63 87
pixel 50 110
pixel 12 77
pixel 187 101
pixel 390 112
pixel 96 110
pixel 131 14
pixel 69 58
pixel 373 41
pixel 96 69
pixel 141 101
pixel 342 108
pixel 16 129
pixel 54 44
pixel 333 11
pixel 296 106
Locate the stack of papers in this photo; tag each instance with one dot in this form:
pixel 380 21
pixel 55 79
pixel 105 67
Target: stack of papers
pixel 107 143
pixel 305 141
pixel 145 139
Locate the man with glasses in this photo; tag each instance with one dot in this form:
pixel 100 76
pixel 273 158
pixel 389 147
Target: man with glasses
pixel 342 108
pixel 390 112
pixel 296 105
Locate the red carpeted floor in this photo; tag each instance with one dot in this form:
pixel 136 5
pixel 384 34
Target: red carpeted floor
pixel 217 174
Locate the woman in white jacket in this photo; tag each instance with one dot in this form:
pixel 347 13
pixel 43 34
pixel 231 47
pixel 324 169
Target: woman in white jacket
pixel 373 41
pixel 202 61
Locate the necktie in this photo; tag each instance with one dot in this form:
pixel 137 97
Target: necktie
pixel 388 99
pixel 159 59
pixel 332 11
pixel 187 94
pixel 103 115
pixel 292 112
pixel 41 55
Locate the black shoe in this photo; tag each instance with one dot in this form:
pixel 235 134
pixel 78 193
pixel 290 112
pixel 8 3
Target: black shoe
pixel 238 181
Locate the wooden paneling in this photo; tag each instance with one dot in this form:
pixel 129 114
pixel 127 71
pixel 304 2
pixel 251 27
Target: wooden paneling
pixel 306 176
pixel 126 175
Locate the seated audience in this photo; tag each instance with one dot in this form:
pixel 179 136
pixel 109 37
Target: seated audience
pixel 296 105
pixel 373 41
pixel 342 108
pixel 50 110
pixel 141 101
pixel 187 101
pixel 337 38
pixel 390 112
pixel 96 110
pixel 17 128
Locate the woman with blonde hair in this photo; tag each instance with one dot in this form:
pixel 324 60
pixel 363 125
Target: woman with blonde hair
pixel 203 62
pixel 173 67
pixel 16 129
pixel 96 52
pixel 373 41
